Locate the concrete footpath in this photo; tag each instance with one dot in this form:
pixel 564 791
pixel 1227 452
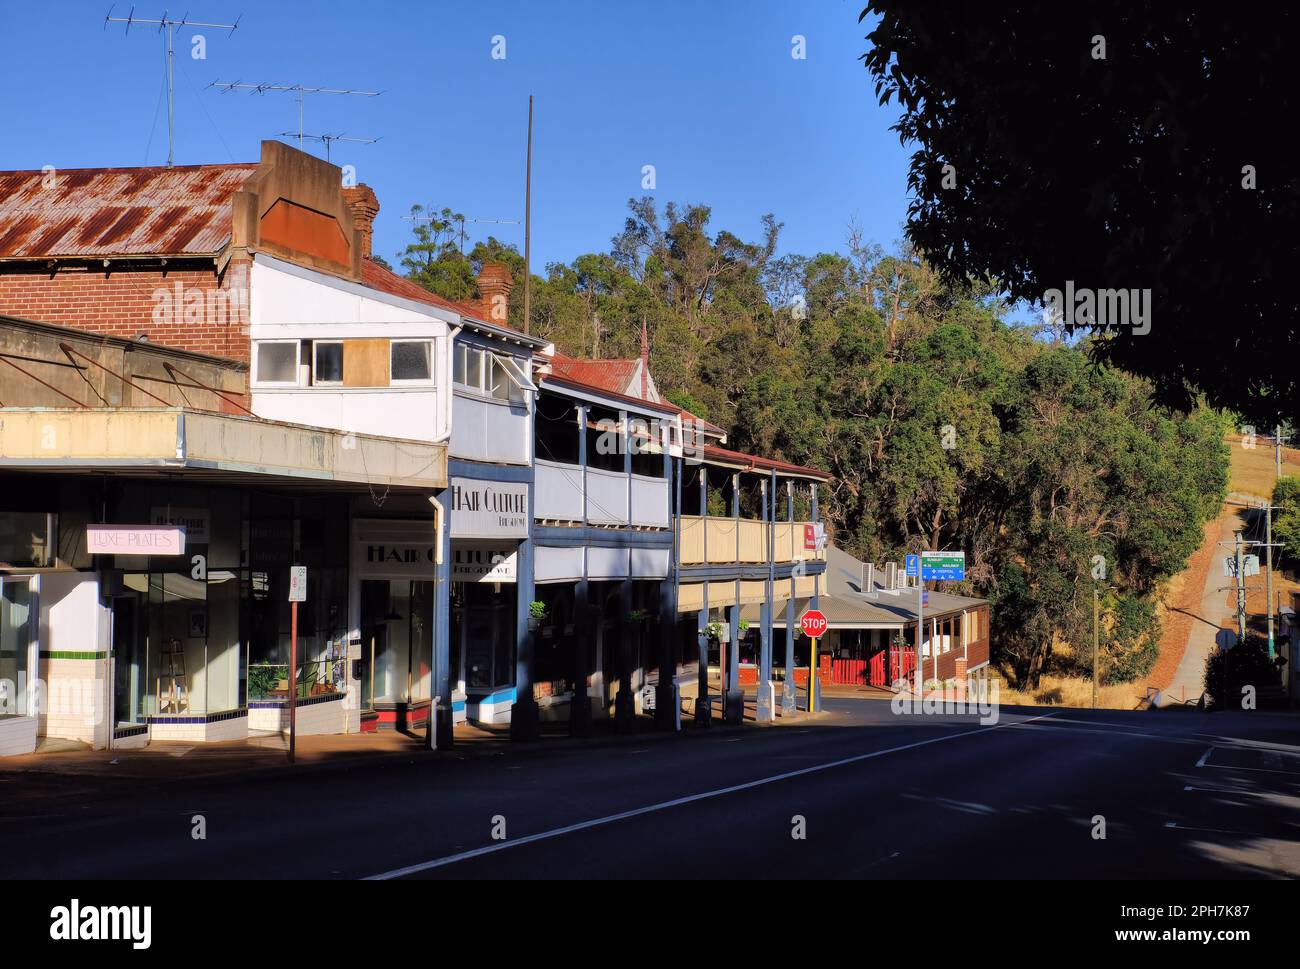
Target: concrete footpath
pixel 1211 620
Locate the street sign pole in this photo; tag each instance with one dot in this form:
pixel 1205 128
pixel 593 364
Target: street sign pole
pixel 297 594
pixel 920 625
pixel 293 678
pixel 812 678
pixel 814 625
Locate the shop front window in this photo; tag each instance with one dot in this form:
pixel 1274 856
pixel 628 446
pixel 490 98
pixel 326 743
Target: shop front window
pixel 483 624
pixel 397 640
pixel 15 644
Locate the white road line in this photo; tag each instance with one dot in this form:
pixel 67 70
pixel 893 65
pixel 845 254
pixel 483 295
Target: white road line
pixel 1271 795
pixel 1204 757
pixel 1261 770
pixel 1245 834
pixel 675 802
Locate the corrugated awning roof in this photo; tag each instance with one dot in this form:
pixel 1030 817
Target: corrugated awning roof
pixel 751 462
pixel 105 212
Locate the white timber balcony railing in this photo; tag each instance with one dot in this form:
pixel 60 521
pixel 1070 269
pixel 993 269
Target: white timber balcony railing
pixel 607 497
pixel 649 501
pixel 559 495
pixel 742 541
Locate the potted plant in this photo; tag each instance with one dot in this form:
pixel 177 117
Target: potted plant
pixel 536 615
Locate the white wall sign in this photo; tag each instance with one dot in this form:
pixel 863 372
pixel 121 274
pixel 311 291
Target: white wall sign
pixel 483 563
pixel 135 540
pixel 488 509
pixel 193 520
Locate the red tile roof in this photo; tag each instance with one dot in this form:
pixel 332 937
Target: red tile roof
pixel 386 281
pixel 100 212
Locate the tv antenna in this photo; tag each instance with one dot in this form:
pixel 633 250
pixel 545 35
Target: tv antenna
pixel 299 89
pixel 327 139
pixel 461 220
pixel 167 27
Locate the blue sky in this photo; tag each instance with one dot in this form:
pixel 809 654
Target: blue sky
pixel 705 91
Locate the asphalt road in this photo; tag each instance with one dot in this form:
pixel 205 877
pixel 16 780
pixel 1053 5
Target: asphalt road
pixel 876 795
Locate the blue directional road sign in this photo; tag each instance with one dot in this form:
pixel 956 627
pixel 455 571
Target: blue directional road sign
pixel 912 565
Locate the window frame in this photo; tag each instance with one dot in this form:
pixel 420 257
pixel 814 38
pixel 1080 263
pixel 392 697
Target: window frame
pixel 428 381
pixel 315 365
pixel 260 381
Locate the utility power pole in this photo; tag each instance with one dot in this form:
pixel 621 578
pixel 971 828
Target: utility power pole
pixel 1241 587
pixel 167 27
pixel 528 222
pixel 1268 567
pixel 1096 635
pixel 297 89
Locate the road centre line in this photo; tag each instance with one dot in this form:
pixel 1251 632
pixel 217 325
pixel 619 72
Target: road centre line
pixel 675 802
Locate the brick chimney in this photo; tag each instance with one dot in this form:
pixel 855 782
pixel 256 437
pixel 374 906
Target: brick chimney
pixel 364 204
pixel 494 285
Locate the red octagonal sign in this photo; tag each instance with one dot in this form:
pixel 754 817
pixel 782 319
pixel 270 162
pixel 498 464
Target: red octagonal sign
pixel 813 623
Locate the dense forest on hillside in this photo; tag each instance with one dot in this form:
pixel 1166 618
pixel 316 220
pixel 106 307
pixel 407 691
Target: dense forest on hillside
pixel 946 426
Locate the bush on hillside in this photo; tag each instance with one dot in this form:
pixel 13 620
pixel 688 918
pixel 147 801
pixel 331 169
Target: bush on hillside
pixel 1228 671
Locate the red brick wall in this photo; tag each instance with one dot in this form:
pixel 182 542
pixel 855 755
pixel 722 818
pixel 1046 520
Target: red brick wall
pixel 187 308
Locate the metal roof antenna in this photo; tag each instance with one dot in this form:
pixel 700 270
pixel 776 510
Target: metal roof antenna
pixel 167 27
pixel 327 139
pixel 299 90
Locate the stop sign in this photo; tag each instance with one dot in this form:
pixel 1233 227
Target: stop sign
pixel 813 623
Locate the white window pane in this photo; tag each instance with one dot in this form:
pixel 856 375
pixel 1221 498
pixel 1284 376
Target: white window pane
pixel 474 374
pixel 459 365
pixel 277 362
pixel 500 382
pixel 411 360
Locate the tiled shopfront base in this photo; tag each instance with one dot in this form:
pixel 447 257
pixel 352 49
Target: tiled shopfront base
pixel 17 735
pixel 204 728
pixel 315 715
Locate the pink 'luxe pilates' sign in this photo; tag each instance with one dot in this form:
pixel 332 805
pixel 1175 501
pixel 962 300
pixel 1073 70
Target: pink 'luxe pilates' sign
pixel 135 540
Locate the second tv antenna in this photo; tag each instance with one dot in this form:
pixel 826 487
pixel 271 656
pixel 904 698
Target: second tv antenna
pixel 299 89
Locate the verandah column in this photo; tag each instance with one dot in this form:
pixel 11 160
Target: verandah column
pixel 764 708
pixel 583 625
pixel 443 719
pixel 667 701
pixel 734 702
pixel 703 704
pixel 524 717
pixel 580 705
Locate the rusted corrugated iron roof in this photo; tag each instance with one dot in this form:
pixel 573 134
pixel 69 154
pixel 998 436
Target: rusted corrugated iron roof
pixel 102 212
pixel 613 375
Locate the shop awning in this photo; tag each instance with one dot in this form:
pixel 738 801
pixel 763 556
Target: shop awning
pixel 212 446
